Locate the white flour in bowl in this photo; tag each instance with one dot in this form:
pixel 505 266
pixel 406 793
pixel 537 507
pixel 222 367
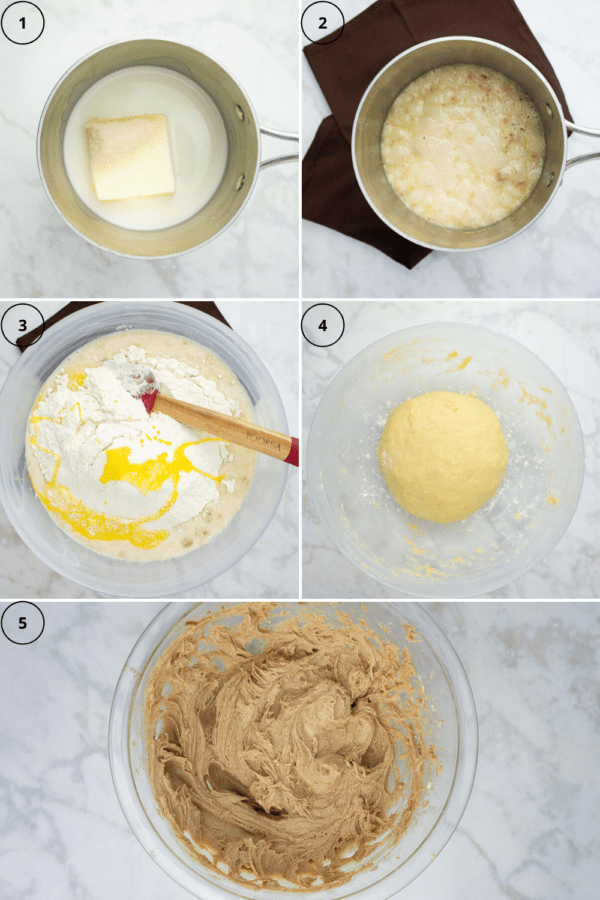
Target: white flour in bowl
pixel 129 484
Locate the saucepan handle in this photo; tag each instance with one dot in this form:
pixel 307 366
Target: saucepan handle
pixel 581 129
pixel 284 136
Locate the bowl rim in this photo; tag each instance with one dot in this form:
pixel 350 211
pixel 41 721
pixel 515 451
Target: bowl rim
pixel 126 584
pixel 419 860
pixel 330 524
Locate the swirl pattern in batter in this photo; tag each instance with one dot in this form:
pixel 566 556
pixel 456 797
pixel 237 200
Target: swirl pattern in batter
pixel 284 751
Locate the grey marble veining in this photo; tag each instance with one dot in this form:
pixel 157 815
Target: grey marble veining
pixel 529 832
pixel 556 257
pixel 566 336
pixel 270 569
pixel 40 256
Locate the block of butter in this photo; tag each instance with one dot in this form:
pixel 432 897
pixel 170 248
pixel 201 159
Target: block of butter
pixel 130 157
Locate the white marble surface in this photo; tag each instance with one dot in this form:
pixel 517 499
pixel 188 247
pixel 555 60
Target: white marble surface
pixel 530 830
pixel 556 257
pixel 40 256
pixel 270 569
pixel 566 336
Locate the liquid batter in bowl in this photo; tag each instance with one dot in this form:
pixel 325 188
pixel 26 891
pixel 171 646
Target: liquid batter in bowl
pixel 282 753
pixel 125 483
pixel 198 143
pixel 463 146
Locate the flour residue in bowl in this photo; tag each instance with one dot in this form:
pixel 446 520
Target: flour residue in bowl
pixel 285 753
pixel 427 552
pixel 511 532
pixel 126 483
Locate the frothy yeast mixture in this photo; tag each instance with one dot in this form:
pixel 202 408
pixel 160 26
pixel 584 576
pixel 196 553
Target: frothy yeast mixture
pixel 125 483
pixel 283 750
pixel 463 146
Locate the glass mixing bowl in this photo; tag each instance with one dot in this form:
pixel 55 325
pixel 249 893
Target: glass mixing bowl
pixel 511 533
pixel 453 720
pixel 53 545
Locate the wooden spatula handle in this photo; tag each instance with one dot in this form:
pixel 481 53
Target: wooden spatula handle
pixel 235 430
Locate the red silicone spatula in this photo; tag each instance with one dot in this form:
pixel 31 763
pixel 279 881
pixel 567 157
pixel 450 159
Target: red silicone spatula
pixel 140 382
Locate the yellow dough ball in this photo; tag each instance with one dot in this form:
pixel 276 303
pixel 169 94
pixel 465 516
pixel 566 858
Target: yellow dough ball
pixel 443 455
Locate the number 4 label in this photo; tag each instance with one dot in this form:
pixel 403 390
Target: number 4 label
pixel 322 324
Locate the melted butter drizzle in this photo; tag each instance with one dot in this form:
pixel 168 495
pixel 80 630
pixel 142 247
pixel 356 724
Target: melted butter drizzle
pixel 150 475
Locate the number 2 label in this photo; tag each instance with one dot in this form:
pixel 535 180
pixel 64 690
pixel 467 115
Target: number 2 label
pixel 322 16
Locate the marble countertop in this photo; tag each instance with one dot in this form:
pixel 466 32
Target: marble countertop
pixel 566 336
pixel 530 829
pixel 40 256
pixel 270 569
pixel 556 257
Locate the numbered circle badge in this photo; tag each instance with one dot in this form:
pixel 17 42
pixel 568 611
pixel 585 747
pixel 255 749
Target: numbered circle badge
pixel 22 23
pixel 322 22
pixel 18 320
pixel 322 325
pixel 22 622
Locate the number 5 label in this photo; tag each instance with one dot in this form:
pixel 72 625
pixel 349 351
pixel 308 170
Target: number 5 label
pixel 22 622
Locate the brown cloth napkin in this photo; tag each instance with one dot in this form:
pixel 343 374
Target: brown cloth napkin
pixel 344 69
pixel 206 306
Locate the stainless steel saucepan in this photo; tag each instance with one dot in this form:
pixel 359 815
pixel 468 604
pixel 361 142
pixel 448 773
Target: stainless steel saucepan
pixel 410 65
pixel 243 158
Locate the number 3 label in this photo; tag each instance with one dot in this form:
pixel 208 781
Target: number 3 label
pixel 19 319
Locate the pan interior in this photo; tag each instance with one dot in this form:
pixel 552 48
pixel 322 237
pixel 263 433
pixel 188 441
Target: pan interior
pixel 372 115
pixel 242 157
